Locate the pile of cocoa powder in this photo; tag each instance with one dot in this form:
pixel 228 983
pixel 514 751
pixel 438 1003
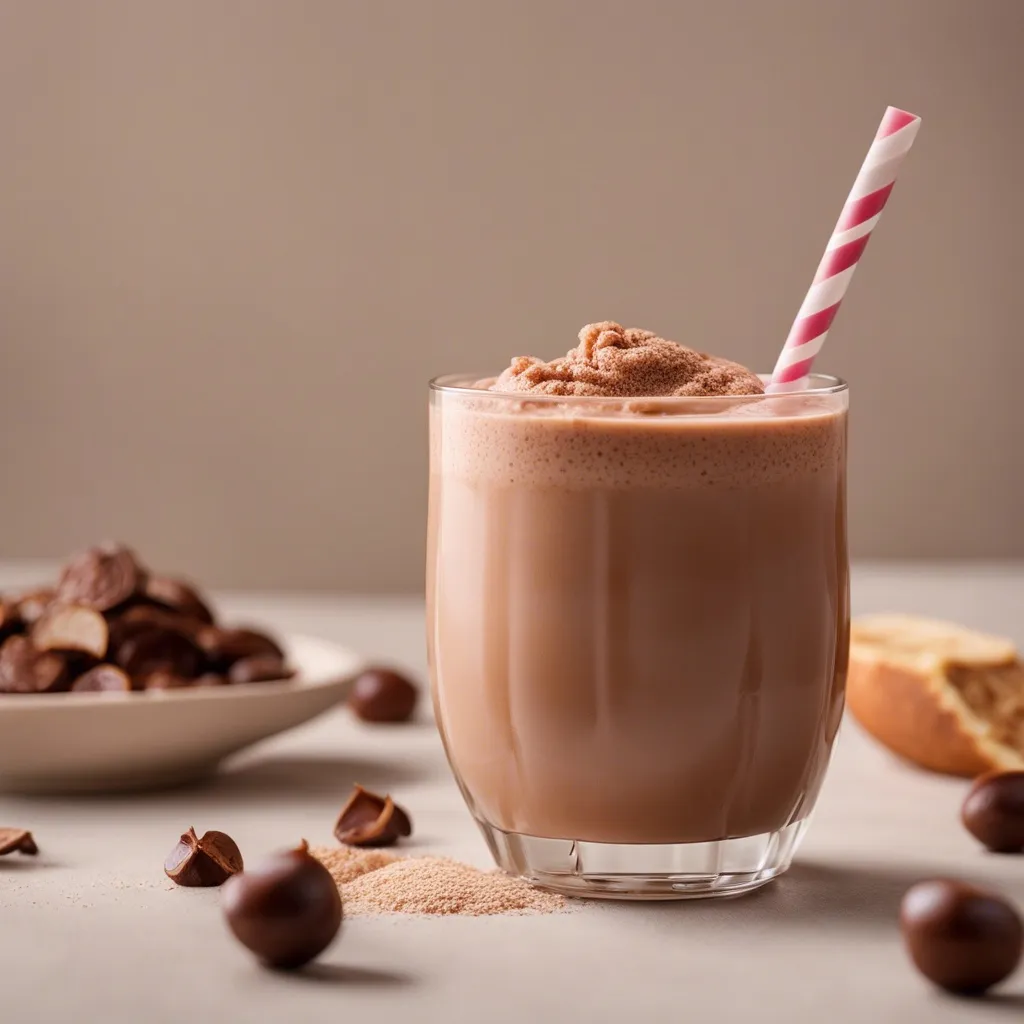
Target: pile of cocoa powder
pixel 379 882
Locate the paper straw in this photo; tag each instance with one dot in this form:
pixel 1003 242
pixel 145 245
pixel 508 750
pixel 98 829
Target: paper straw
pixel 861 213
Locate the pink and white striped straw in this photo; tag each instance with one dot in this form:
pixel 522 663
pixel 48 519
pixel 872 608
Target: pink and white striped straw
pixel 861 213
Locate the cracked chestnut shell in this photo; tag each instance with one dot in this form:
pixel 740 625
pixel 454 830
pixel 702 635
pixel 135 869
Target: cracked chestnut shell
pixel 207 861
pixel 287 910
pixel 368 819
pixel 17 840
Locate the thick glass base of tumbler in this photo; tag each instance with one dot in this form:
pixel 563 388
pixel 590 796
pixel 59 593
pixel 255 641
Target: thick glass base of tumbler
pixel 640 871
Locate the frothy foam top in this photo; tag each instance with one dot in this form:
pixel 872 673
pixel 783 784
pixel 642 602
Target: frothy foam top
pixel 615 361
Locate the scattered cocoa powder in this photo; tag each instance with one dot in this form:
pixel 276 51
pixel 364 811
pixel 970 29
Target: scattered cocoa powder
pixel 378 882
pixel 347 863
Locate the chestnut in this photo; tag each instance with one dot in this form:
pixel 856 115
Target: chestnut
pixel 382 695
pixel 287 910
pixel 962 938
pixel 993 811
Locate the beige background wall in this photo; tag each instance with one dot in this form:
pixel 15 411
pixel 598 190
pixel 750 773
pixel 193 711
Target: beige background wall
pixel 237 236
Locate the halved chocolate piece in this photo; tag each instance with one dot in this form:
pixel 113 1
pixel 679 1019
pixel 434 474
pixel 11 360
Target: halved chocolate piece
pixel 26 669
pixel 226 646
pixel 159 650
pixel 71 627
pixel 368 819
pixel 260 668
pixel 101 577
pixel 179 596
pixel 17 840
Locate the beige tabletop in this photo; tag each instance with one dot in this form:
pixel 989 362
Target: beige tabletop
pixel 93 932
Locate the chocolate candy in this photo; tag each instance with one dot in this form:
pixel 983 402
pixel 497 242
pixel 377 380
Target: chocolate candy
pixel 102 679
pixel 141 617
pixel 10 619
pixel 17 840
pixel 26 669
pixel 162 680
pixel 31 605
pixel 101 578
pixel 159 650
pixel 286 911
pixel 71 628
pixel 224 647
pixel 178 596
pixel 382 695
pixel 210 679
pixel 260 668
pixel 962 938
pixel 208 861
pixel 368 819
pixel 993 811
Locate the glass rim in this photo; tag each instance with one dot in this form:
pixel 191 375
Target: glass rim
pixel 822 385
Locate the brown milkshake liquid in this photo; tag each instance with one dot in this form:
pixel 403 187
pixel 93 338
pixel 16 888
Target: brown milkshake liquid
pixel 637 610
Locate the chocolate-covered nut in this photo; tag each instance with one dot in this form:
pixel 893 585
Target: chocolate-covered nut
pixel 102 679
pixel 101 578
pixel 162 680
pixel 382 695
pixel 368 819
pixel 210 679
pixel 260 668
pixel 224 647
pixel 26 669
pixel 993 811
pixel 17 840
pixel 159 650
pixel 962 938
pixel 179 596
pixel 71 627
pixel 287 910
pixel 208 861
pixel 31 605
pixel 141 618
pixel 10 619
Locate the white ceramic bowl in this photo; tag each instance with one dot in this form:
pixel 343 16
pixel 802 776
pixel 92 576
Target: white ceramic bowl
pixel 94 742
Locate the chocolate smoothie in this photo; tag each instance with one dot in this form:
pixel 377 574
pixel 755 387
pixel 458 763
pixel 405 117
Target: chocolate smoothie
pixel 637 593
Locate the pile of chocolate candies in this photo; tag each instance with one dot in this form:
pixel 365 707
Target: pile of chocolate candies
pixel 111 625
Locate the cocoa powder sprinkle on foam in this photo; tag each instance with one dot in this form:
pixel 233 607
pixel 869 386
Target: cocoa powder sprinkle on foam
pixel 378 882
pixel 616 361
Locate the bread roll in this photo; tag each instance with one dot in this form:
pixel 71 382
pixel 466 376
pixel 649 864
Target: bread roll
pixel 940 695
